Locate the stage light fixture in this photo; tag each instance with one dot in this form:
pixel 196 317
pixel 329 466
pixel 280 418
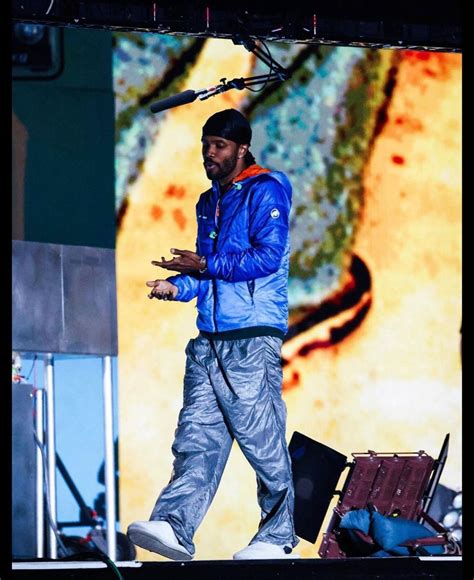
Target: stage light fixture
pixel 28 33
pixel 37 51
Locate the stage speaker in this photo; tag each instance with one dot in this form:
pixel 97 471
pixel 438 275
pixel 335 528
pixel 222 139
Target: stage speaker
pixel 316 471
pixel 23 473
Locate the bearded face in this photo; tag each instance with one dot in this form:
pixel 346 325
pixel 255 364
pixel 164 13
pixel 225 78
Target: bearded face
pixel 222 157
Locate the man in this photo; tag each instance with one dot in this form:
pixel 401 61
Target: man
pixel 233 378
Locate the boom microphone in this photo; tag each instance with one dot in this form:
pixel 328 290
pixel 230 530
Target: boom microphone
pixel 180 99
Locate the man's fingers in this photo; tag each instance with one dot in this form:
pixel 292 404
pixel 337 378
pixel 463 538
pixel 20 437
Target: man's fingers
pixel 160 289
pixel 175 266
pixel 161 295
pixel 178 262
pixel 180 252
pixel 154 283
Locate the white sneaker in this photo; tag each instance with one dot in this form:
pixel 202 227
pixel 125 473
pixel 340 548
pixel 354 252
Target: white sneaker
pixel 264 551
pixel 158 537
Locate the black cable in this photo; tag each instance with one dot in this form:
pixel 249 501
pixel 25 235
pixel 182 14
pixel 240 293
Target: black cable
pixel 48 500
pixel 91 555
pixel 275 69
pixel 269 72
pixel 95 555
pixel 32 367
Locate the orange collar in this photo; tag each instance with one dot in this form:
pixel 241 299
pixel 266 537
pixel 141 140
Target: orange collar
pixel 250 171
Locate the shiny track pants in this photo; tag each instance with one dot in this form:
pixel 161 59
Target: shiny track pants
pixel 232 389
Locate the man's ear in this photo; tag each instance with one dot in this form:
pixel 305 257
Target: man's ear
pixel 242 151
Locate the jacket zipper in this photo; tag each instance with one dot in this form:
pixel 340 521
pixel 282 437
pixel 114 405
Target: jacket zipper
pixel 214 291
pixel 214 281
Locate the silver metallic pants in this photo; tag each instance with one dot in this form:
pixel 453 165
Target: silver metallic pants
pixel 232 390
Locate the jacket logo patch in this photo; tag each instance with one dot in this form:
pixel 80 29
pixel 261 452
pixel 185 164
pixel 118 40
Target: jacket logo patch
pixel 275 213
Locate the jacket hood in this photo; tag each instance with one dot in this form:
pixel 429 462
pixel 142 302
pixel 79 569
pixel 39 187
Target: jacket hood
pixel 255 170
pixel 250 171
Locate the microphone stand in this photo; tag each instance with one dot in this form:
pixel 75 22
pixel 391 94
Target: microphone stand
pixel 277 73
pixel 238 83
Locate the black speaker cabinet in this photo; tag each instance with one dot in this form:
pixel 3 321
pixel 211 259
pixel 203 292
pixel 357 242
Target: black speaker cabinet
pixel 316 471
pixel 23 472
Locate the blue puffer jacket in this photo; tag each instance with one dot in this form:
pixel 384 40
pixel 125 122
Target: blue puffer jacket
pixel 246 282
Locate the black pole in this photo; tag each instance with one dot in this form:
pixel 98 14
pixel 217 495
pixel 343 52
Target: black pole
pixel 85 510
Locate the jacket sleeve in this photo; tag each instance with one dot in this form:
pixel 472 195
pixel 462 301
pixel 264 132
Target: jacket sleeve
pixel 269 230
pixel 188 286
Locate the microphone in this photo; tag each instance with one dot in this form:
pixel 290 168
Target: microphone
pixel 180 99
pixel 189 96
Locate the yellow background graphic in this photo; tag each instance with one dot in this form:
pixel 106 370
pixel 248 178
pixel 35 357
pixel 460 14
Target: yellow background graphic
pixel 394 384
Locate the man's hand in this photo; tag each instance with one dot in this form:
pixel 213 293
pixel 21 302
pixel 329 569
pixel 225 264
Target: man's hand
pixel 162 289
pixel 185 262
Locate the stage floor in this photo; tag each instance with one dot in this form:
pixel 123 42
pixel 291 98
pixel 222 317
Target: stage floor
pixel 399 568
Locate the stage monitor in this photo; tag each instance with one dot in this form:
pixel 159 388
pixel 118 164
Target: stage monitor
pixel 316 471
